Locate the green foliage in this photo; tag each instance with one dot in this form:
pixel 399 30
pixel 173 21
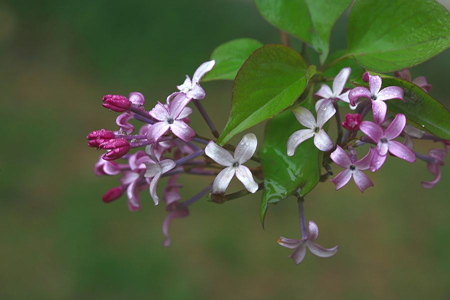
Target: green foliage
pixel 389 35
pixel 272 78
pixel 333 70
pixel 421 110
pixel 230 57
pixel 309 20
pixel 284 175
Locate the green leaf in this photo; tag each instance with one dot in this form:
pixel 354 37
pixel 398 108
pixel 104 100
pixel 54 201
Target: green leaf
pixel 309 20
pixel 230 57
pixel 333 70
pixel 285 175
pixel 421 110
pixel 271 79
pixel 389 35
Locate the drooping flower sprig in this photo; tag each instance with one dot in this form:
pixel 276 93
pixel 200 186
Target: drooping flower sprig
pixel 166 147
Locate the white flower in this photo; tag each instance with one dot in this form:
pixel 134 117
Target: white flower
pixel 336 94
pixel 306 118
pixel 192 88
pixel 244 151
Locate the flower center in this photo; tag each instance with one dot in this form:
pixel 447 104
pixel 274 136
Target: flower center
pixel 352 167
pixel 316 129
pixel 374 97
pixel 170 121
pixel 235 165
pixel 384 140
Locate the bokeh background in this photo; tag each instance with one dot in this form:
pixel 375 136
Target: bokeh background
pixel 59 241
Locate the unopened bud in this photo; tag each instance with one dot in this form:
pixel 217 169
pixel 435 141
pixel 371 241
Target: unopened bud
pixel 98 137
pixel 113 194
pixel 137 98
pixel 116 103
pixel 352 122
pixel 117 148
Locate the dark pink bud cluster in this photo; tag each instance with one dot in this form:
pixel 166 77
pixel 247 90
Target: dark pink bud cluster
pixel 117 148
pixel 116 103
pixel 98 137
pixel 352 122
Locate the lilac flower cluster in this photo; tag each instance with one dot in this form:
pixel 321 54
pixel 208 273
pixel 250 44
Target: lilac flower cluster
pixel 166 146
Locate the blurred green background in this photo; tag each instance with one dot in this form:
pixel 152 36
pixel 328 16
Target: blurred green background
pixel 59 241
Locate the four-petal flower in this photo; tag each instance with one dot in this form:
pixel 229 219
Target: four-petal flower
pixel 329 95
pixel 192 88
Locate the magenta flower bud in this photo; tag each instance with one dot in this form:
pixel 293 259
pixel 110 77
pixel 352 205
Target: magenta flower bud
pixel 98 137
pixel 116 103
pixel 366 77
pixel 137 98
pixel 113 194
pixel 352 122
pixel 117 148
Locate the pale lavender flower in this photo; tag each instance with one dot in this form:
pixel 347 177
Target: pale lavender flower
pixel 170 117
pixel 306 118
pixel 330 96
pixel 154 172
pixel 385 141
pixel 300 246
pixel 234 165
pixel 435 161
pixel 122 121
pixel 377 96
pixel 352 168
pixel 192 88
pixel 106 167
pixel 420 81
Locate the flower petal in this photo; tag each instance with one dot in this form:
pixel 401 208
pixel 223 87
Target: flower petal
pixel 222 180
pixel 179 213
pixel 177 104
pixel 401 151
pixel 379 109
pixel 136 98
pixel 404 74
pixel 218 154
pixel 362 180
pixel 341 158
pixel 157 130
pixel 159 112
pixel 185 113
pixel 297 138
pixel 436 170
pixel 289 243
pixel 299 253
pixel 182 130
pixel 245 176
pixel 322 102
pixel 153 186
pixel 128 177
pixel 377 161
pixel 246 148
pixel 323 141
pixel 391 92
pixel 358 92
pixel 413 131
pixel 382 148
pixel 133 197
pixel 187 84
pixel 202 70
pixel 374 84
pixel 167 165
pixel 320 251
pixel 305 117
pixel 372 130
pixel 124 125
pixel 340 80
pixel 152 169
pixel 325 113
pixel 396 127
pixel 364 163
pixel 342 179
pixel 423 84
pixel 324 92
pixel 313 231
pixel 197 92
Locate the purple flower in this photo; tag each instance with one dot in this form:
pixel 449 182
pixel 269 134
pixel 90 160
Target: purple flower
pixel 377 97
pixel 300 246
pixel 170 117
pixel 192 88
pixel 234 165
pixel 104 167
pixel 154 172
pixel 124 125
pixel 116 148
pixel 419 81
pixel 435 162
pixel 336 94
pixel 306 118
pixel 385 141
pixel 352 122
pixel 352 168
pixel 136 98
pixel 116 103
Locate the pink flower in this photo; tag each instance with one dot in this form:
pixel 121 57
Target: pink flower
pixel 192 88
pixel 300 246
pixel 116 103
pixel 328 96
pixel 124 125
pixel 171 117
pixel 385 141
pixel 377 97
pixel 352 122
pixel 435 162
pixel 352 168
pixel 314 129
pixel 234 165
pixel 419 81
pixel 105 167
pixel 116 148
pixel 136 98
